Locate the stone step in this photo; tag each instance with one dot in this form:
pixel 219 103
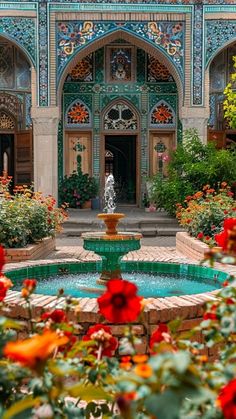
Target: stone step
pixel 146 232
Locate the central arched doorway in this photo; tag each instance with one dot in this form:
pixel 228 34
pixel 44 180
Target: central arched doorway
pixel 121 141
pixel 118 102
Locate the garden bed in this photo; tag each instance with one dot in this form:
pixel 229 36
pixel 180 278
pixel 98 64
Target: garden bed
pixel 32 251
pixel 190 247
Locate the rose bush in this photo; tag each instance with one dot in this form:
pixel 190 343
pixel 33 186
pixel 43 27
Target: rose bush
pixel 203 213
pixel 53 374
pixel 28 216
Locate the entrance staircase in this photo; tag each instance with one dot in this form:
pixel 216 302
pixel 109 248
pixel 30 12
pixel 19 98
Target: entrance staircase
pixel 149 224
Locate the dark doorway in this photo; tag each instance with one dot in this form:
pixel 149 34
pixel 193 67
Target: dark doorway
pixel 7 154
pixel 120 160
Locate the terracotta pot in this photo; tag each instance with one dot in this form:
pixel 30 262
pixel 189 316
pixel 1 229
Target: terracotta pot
pixel 87 204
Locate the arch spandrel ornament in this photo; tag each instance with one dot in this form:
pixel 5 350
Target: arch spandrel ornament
pixel 167 37
pixel 219 34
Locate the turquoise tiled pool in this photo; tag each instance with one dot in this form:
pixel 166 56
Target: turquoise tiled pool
pixel 154 279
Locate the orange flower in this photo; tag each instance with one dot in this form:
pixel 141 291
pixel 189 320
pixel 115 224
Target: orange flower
pixel 30 352
pixel 143 370
pixel 140 359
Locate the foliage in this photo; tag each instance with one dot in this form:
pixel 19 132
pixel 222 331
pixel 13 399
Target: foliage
pixel 53 374
pixel 192 165
pixel 203 214
pixel 230 101
pixel 77 188
pixel 27 217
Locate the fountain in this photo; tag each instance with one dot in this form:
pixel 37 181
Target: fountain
pixel 111 245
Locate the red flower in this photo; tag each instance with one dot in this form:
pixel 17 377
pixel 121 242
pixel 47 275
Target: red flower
pixel 225 239
pixel 120 303
pixel 3 291
pixel 161 333
pixel 200 235
pixel 227 400
pixel 2 258
pixel 30 284
pixel 5 284
pixel 101 334
pixel 210 316
pixel 57 316
pixel 229 301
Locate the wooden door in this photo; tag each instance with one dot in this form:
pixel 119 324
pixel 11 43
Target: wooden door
pixel 23 158
pixel 166 138
pixel 71 153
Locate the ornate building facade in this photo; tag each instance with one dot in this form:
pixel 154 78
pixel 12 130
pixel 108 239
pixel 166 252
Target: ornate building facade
pixel 122 78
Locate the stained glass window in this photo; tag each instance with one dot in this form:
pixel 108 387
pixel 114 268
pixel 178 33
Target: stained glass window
pixel 120 116
pixel 220 70
pixel 22 72
pixel 6 66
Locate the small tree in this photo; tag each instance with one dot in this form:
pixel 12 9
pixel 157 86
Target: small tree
pixel 230 101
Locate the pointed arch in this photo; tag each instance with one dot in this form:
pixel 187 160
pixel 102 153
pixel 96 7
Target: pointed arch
pixel 132 38
pixel 78 115
pixel 162 115
pixel 120 115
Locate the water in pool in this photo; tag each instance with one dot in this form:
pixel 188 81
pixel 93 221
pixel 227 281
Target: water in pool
pixel 149 285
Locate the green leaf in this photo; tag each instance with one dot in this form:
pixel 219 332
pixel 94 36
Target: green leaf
pixel 164 406
pixel 20 407
pixel 88 392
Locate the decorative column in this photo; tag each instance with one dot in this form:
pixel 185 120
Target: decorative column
pixel 45 129
pixel 195 118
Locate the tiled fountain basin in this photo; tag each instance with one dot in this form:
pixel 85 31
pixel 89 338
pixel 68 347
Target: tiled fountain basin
pixel 190 247
pixel 157 310
pixel 31 252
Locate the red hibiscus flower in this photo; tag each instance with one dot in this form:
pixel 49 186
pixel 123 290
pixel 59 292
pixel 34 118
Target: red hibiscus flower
pixel 3 291
pixel 57 316
pixel 101 334
pixel 160 334
pixel 209 316
pixel 120 303
pixel 225 239
pixel 227 400
pixel 2 258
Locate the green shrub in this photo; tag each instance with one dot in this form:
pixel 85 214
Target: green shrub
pixel 204 212
pixel 27 217
pixel 77 188
pixel 192 166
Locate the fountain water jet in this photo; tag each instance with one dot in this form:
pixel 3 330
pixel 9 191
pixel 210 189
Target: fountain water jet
pixel 111 245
